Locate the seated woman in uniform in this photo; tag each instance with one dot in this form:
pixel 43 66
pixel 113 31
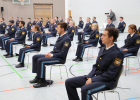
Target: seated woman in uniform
pixel 92 41
pixel 132 42
pixel 71 30
pixel 35 46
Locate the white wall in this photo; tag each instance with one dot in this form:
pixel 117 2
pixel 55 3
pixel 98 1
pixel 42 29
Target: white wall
pixel 129 9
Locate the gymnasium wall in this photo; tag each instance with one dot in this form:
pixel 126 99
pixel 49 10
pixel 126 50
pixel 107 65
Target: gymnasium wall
pixel 26 11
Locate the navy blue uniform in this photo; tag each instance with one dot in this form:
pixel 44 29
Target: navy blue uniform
pixel 46 26
pixel 110 25
pixel 2 28
pixel 34 22
pixel 87 30
pixel 20 39
pixel 17 23
pixel 61 20
pixel 57 21
pixel 29 25
pixel 41 23
pixel 70 32
pixel 94 22
pixel 103 75
pixel 53 31
pixel 121 27
pixel 11 34
pixel 38 23
pixel 93 41
pixel 139 29
pixel 132 44
pixel 81 24
pixel 68 25
pixel 35 46
pixel 59 53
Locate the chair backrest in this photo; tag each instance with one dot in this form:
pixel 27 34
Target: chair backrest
pixel 118 76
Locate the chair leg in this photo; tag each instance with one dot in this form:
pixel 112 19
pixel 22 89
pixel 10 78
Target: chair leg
pixel 97 96
pixel 60 72
pixel 50 73
pixel 118 95
pixel 87 54
pixel 126 67
pixel 66 71
pixel 28 61
pixel 104 95
pixel 139 62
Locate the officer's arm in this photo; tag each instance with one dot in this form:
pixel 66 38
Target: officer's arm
pixel 64 51
pixel 38 39
pixel 3 28
pixel 136 47
pixel 90 75
pixel 113 70
pixel 91 41
pixel 71 33
pixel 88 29
pixel 22 36
pixel 10 32
pixel 54 31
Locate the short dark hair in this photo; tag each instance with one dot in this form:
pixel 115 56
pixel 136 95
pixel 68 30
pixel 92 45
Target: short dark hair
pixel 112 32
pixel 11 21
pixel 47 17
pixel 29 18
pixel 22 22
pixel 121 17
pixel 80 17
pixel 63 25
pixel 41 18
pixel 2 18
pixel 94 17
pixel 110 19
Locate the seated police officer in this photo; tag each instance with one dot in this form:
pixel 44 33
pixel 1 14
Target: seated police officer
pixel 34 22
pixel 11 34
pixel 35 46
pixel 57 56
pixel 110 24
pixel 20 39
pixel 86 31
pixel 52 32
pixel 121 26
pixel 56 19
pixel 17 22
pixel 92 41
pixel 2 26
pixel 80 26
pixel 61 19
pixel 47 24
pixel 104 72
pixel 71 30
pixel 132 42
pixel 29 25
pixel 94 20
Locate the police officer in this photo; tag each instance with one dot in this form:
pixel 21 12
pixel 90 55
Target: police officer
pixel 61 19
pixel 35 46
pixel 71 30
pixel 86 31
pixel 132 42
pixel 41 22
pixel 34 22
pixel 20 39
pixel 110 24
pixel 80 26
pixel 121 26
pixel 11 34
pixel 56 18
pixel 94 20
pixel 68 21
pixel 57 56
pixel 2 26
pixel 11 18
pixel 29 25
pixel 104 72
pixel 37 22
pixel 92 41
pixel 52 32
pixel 17 22
pixel 47 24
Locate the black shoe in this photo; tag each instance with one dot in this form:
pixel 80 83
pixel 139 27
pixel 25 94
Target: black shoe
pixel 2 49
pixel 79 60
pixel 75 59
pixel 6 55
pixel 16 54
pixel 35 80
pixel 9 56
pixel 44 45
pixel 51 44
pixel 49 82
pixel 99 47
pixel 19 65
pixel 78 42
pixel 29 39
pixel 41 83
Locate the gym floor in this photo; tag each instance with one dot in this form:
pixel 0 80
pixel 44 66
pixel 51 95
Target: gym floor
pixel 14 83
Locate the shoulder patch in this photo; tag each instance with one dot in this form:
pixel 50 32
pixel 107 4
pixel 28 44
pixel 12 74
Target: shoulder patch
pixel 3 25
pixel 97 35
pixel 38 39
pixel 66 44
pixel 30 24
pixel 23 33
pixel 138 41
pixel 89 25
pixel 124 25
pixel 12 29
pixel 72 30
pixel 118 61
pixel 56 28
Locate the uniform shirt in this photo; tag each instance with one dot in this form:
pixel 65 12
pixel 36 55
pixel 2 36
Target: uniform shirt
pixel 94 37
pixel 11 31
pixel 41 23
pixel 37 38
pixel 17 23
pixel 61 47
pixel 61 20
pixel 57 21
pixel 94 22
pixel 87 27
pixel 70 32
pixel 47 24
pixel 53 30
pixel 121 26
pixel 108 64
pixel 132 43
pixel 38 23
pixel 81 24
pixel 110 25
pixel 2 28
pixel 29 25
pixel 21 35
